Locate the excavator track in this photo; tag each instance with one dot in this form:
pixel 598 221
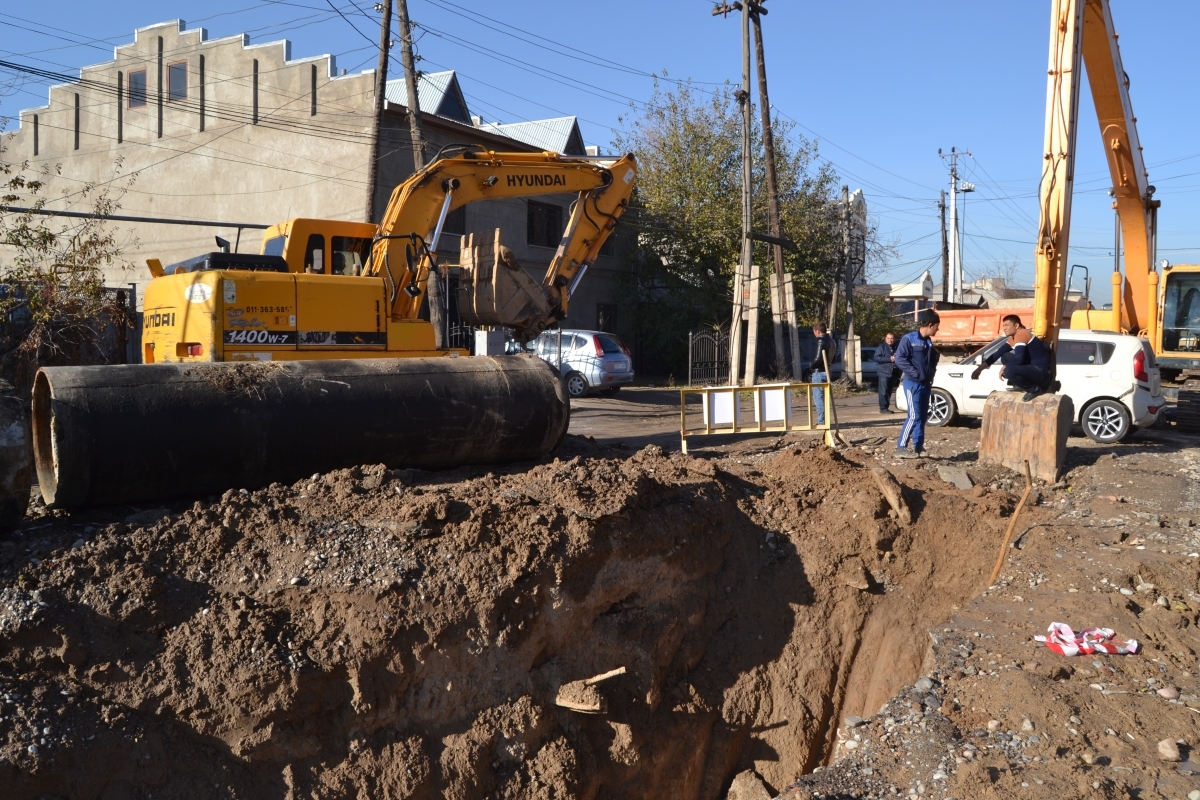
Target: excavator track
pixel 1187 410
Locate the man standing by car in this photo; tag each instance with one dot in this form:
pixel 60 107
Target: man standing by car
pixel 1025 357
pixel 885 371
pixel 826 355
pixel 917 360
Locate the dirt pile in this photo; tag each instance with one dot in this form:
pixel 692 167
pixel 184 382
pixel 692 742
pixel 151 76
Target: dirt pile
pixel 1115 544
pixel 369 633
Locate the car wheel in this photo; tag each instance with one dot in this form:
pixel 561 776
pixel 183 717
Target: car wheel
pixel 1105 421
pixel 577 385
pixel 942 410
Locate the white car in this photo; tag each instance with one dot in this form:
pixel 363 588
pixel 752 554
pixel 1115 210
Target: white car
pixel 1112 379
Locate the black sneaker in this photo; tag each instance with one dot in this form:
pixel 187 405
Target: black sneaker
pixel 1030 395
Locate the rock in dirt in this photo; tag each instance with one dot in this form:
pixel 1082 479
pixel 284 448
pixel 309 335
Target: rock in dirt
pixel 147 517
pixel 1169 693
pixel 956 477
pixel 747 786
pixel 1168 750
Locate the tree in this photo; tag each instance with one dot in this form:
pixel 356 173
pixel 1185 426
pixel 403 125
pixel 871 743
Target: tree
pixel 54 309
pixel 686 213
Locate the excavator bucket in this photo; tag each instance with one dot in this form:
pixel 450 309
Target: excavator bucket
pixel 1016 430
pixel 494 290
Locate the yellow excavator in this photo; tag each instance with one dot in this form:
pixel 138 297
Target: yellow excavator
pixel 329 289
pixel 1165 310
pixel 1082 34
pixel 312 355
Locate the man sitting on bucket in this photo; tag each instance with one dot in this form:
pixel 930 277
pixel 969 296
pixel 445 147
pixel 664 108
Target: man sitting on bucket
pixel 1025 357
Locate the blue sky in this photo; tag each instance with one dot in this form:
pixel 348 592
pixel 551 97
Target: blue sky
pixel 880 85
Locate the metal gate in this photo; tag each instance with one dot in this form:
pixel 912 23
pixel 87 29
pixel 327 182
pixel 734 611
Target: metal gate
pixel 462 335
pixel 708 358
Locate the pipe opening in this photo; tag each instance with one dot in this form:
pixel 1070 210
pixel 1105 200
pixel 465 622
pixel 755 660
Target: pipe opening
pixel 45 448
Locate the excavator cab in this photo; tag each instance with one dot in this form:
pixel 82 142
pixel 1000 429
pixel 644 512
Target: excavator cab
pixel 1181 312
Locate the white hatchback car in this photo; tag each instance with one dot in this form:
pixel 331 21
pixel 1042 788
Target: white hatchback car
pixel 1112 379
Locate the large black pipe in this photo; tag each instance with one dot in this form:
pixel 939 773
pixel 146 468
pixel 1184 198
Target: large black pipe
pixel 137 433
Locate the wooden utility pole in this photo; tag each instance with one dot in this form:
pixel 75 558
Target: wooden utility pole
pixel 385 43
pixel 434 296
pixel 745 283
pixel 778 301
pixel 945 252
pixel 410 83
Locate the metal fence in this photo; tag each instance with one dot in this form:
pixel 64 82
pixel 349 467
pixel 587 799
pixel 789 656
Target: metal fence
pixel 708 358
pixel 462 335
pixel 765 408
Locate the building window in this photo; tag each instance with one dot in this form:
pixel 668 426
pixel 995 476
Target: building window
pixel 606 317
pixel 545 224
pixel 137 89
pixel 456 221
pixel 314 254
pixel 177 81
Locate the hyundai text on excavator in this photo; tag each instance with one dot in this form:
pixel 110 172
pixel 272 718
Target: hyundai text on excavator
pixel 312 355
pixel 1082 33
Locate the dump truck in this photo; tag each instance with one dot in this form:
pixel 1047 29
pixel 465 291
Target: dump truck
pixel 313 355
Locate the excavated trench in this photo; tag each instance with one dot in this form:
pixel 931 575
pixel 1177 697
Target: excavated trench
pixel 381 634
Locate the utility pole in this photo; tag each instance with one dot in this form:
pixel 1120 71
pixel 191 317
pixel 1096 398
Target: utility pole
pixel 849 365
pixel 410 83
pixel 778 301
pixel 945 252
pixel 956 268
pixel 435 294
pixel 385 43
pixel 746 281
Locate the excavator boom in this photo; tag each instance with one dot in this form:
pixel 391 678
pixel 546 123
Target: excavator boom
pixel 404 251
pixel 1082 34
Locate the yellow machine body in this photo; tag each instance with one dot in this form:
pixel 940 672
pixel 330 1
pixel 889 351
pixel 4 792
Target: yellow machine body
pixel 244 315
pixel 355 290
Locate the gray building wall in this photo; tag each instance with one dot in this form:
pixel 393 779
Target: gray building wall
pixel 260 138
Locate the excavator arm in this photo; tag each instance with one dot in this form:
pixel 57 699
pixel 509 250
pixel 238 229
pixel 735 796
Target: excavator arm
pixel 1081 33
pixel 495 290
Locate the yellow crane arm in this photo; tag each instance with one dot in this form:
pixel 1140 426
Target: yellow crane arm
pixel 403 251
pixel 1081 33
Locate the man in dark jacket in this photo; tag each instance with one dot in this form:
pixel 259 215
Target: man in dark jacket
pixel 1025 357
pixel 885 369
pixel 826 355
pixel 917 360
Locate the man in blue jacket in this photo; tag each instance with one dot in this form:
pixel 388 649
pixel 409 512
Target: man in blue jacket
pixel 917 359
pixel 885 371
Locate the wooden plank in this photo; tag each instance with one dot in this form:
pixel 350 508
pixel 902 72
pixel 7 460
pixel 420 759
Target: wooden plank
pixel 890 488
pixel 1016 430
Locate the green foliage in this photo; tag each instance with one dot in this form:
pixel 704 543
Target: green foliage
pixel 53 307
pixel 873 318
pixel 686 213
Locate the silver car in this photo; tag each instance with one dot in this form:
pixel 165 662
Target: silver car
pixel 591 360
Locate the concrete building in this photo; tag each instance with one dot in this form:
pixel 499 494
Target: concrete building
pixel 182 126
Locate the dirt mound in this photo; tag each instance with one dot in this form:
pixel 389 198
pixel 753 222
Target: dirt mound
pixel 369 633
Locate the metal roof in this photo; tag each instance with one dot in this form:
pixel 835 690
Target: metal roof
pixel 559 135
pixel 437 92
